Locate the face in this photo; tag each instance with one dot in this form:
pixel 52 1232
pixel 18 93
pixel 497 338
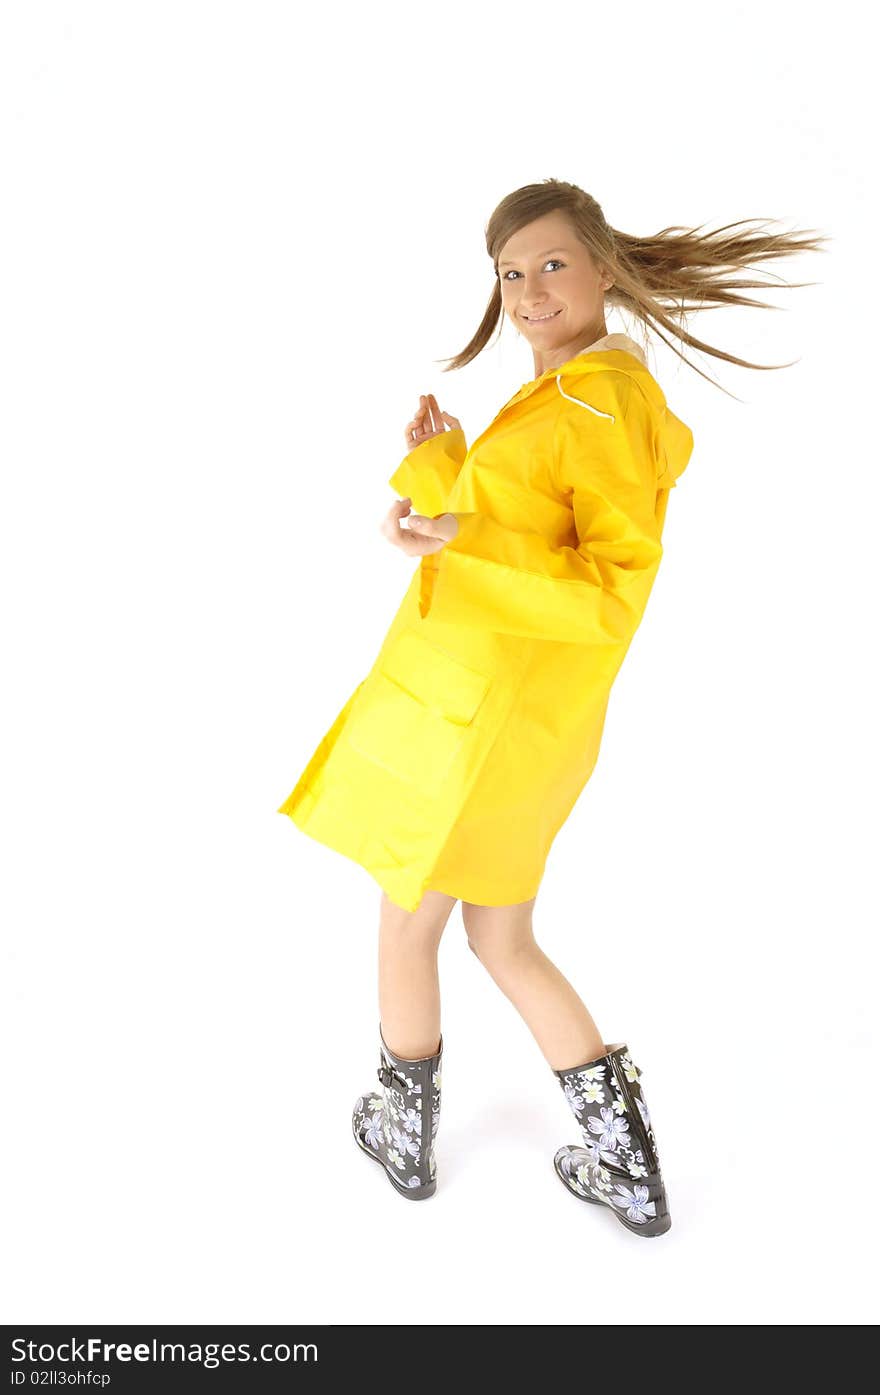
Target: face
pixel 552 290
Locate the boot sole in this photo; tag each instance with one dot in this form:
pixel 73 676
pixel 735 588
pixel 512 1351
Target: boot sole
pixel 649 1229
pixel 411 1193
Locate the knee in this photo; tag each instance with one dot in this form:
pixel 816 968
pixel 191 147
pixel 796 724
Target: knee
pixel 503 962
pixel 500 948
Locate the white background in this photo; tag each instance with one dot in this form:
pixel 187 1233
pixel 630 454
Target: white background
pixel 238 241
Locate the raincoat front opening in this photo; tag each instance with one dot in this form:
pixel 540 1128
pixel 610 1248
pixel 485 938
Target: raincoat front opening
pixel 456 760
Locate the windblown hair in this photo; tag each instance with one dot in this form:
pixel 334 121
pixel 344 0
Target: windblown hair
pixel 658 279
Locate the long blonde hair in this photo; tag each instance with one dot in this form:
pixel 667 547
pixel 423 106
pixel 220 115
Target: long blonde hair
pixel 657 279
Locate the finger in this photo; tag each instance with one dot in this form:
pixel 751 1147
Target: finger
pixel 436 414
pixel 413 427
pixel 390 524
pixel 445 527
pixel 419 424
pixel 424 527
pixel 398 510
pixel 415 546
pixel 408 541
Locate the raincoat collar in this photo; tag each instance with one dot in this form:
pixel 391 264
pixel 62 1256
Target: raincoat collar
pixel 615 341
pixel 607 344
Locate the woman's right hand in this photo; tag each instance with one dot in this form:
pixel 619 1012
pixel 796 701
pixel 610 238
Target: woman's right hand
pixel 429 421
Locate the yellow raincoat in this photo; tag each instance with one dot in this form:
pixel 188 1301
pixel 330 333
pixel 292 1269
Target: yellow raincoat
pixel 457 759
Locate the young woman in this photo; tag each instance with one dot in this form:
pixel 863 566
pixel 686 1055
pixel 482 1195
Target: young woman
pixel 455 762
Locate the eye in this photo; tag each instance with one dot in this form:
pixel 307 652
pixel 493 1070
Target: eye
pixel 554 261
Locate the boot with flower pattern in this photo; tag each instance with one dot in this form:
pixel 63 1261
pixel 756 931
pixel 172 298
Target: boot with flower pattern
pixel 617 1165
pixel 397 1124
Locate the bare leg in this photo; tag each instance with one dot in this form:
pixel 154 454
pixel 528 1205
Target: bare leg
pixel 409 984
pixel 503 941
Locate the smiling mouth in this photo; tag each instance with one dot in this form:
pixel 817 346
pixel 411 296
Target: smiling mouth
pixel 537 319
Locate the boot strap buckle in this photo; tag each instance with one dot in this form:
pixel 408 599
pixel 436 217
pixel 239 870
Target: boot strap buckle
pixel 387 1077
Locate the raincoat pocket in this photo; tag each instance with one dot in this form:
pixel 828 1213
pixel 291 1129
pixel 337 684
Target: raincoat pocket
pixel 416 711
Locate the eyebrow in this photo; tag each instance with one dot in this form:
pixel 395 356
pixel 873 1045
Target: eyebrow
pixel 540 254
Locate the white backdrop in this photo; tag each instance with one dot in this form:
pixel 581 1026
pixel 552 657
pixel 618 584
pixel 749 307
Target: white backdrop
pixel 238 241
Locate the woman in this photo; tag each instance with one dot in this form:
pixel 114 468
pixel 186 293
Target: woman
pixel 455 762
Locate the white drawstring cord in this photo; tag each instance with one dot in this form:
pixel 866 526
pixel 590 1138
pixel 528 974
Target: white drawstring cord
pixel 579 402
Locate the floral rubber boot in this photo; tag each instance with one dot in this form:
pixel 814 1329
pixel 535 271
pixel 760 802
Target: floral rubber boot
pixel 617 1164
pixel 397 1124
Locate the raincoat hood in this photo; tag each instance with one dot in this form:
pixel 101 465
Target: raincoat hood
pixel 673 441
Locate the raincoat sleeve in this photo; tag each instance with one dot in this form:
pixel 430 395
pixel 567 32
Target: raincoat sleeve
pixel 590 592
pixel 427 473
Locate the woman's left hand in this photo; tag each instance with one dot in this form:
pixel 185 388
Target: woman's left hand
pixel 422 535
pixel 444 526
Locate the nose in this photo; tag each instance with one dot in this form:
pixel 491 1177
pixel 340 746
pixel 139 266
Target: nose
pixel 528 306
